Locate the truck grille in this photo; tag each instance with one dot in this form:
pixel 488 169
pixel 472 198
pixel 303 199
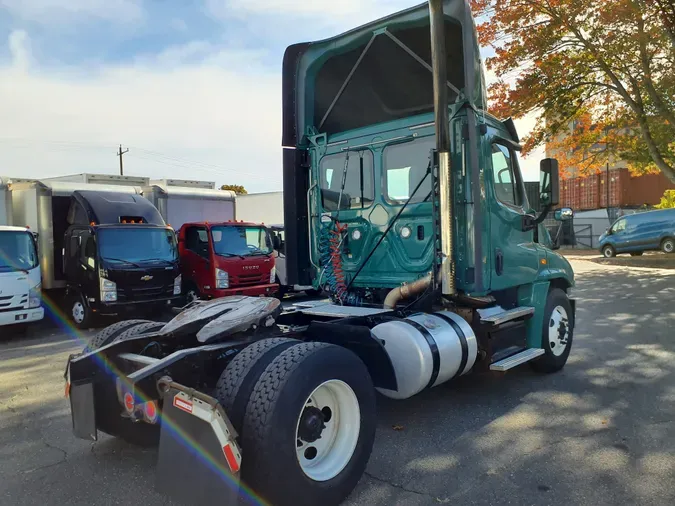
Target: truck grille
pixel 145 294
pixel 249 280
pixel 13 302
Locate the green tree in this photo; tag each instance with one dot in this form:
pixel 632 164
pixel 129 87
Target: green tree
pixel 236 188
pixel 609 62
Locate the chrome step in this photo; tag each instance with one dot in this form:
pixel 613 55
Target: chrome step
pixel 514 360
pixel 506 316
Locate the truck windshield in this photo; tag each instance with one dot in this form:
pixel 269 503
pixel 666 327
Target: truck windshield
pixel 17 251
pixel 241 241
pixel 134 245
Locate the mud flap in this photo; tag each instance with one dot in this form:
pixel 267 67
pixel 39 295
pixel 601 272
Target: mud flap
pixel 199 459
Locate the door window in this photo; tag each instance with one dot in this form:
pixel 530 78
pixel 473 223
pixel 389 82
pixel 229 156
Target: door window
pixel 619 226
pixel 506 184
pixel 89 251
pixel 197 241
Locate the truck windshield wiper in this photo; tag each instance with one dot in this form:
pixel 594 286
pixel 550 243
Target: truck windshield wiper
pixel 258 253
pixel 229 255
pixel 122 260
pixel 159 260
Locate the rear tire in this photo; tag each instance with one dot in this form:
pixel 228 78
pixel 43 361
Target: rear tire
pixel 108 334
pixel 557 333
pixel 608 251
pixel 668 245
pixel 137 330
pixel 236 383
pixel 286 414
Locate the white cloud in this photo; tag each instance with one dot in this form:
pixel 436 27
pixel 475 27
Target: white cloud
pixel 49 11
pixel 20 50
pixel 216 119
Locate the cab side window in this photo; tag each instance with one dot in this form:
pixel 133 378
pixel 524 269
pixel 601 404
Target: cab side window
pixel 197 241
pixel 507 187
pixel 619 226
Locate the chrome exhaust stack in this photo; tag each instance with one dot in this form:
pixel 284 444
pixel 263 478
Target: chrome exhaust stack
pixel 442 126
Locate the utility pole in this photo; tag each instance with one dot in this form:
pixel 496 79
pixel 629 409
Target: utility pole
pixel 120 153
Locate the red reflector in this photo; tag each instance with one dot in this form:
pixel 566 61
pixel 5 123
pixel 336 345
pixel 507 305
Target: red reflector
pixel 231 459
pixel 129 402
pixel 151 411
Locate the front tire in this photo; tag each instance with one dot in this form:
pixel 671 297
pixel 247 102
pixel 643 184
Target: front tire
pixel 608 251
pixel 557 333
pixel 313 409
pixel 80 313
pixel 668 245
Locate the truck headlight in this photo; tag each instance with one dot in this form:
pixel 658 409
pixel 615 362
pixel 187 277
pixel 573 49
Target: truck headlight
pixel 222 279
pixel 177 284
pixel 273 274
pixel 35 296
pixel 108 290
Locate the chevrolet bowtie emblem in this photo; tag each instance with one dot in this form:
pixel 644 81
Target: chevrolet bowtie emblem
pixel 146 278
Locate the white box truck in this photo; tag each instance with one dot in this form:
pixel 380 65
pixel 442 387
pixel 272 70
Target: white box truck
pixel 268 208
pixel 20 296
pixel 185 201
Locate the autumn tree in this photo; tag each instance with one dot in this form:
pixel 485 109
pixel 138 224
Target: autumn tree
pixel 606 66
pixel 236 188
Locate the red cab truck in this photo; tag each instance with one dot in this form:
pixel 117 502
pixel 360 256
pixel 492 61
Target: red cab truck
pixel 226 258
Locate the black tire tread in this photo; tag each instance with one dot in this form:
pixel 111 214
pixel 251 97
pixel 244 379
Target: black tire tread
pixel 238 372
pixel 137 330
pixel 109 333
pixel 273 381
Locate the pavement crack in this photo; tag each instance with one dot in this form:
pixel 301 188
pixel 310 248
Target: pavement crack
pixel 397 486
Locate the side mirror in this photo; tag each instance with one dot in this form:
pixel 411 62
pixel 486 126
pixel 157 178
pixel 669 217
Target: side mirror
pixel 549 184
pixel 563 214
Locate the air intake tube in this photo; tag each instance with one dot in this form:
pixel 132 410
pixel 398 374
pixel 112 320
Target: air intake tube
pixel 442 127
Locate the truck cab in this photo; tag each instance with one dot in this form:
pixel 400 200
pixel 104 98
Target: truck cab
pixel 118 256
pixel 20 287
pixel 226 258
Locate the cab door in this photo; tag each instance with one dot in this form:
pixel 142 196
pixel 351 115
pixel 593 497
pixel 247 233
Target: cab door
pixel 515 255
pixel 195 258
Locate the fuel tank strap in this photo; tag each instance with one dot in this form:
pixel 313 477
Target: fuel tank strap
pixel 433 347
pixel 462 342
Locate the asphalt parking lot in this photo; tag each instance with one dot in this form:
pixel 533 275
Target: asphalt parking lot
pixel 599 432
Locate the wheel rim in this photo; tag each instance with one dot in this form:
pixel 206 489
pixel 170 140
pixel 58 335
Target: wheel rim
pixel 78 312
pixel 668 246
pixel 558 331
pixel 608 252
pixel 327 430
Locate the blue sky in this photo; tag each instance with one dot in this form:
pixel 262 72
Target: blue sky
pixel 186 85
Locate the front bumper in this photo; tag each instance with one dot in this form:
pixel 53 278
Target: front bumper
pixel 251 291
pixel 114 307
pixel 22 316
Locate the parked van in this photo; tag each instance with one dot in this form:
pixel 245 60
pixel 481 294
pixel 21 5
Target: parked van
pixel 636 233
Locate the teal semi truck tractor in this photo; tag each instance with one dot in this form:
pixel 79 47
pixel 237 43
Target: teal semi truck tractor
pixel 404 200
